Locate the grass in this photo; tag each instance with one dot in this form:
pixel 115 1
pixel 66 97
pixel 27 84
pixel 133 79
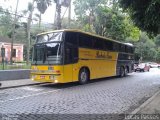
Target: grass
pixel 15 66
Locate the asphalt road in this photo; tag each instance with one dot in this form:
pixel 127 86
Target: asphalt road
pixel 102 96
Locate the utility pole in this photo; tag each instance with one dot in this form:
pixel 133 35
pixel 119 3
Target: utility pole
pixel 13 32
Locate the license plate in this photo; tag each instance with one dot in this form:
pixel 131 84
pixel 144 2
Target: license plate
pixel 42 77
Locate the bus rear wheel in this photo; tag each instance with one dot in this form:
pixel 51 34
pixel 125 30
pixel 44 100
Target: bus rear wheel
pixel 83 76
pixel 122 72
pixel 126 71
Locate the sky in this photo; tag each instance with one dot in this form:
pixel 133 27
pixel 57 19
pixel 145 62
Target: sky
pixel 47 17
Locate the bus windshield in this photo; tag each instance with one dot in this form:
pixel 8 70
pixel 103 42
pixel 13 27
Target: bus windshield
pixel 50 37
pixel 48 53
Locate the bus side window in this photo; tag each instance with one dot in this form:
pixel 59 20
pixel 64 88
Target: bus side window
pixel 109 45
pixel 71 38
pixel 99 44
pixel 85 41
pixel 122 49
pixel 71 54
pixel 116 47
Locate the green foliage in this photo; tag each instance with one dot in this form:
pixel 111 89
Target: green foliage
pixel 5 22
pixel 157 40
pixel 113 24
pixel 86 10
pixel 144 13
pixel 42 5
pixel 158 55
pixel 110 22
pixel 145 48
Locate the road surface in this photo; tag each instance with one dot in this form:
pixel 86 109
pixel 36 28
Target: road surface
pixel 102 96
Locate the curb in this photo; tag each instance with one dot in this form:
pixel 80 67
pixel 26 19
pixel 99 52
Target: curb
pixel 16 86
pixel 145 103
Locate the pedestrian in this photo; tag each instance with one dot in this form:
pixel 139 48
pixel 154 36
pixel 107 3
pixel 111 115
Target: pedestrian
pixel 0 84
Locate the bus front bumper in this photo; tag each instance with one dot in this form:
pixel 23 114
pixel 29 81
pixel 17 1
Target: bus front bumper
pixel 53 78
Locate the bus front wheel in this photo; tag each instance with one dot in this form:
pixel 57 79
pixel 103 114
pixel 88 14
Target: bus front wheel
pixel 83 76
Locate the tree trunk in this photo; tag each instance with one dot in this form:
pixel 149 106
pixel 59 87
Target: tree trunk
pixel 58 21
pixel 29 32
pixel 40 18
pixel 13 33
pixel 69 15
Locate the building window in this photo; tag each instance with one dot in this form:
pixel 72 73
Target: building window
pixel 14 52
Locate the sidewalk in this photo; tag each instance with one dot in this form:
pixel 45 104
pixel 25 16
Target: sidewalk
pixel 151 106
pixel 17 83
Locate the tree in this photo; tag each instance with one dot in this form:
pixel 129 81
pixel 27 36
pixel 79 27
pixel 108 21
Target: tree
pixel 145 48
pixel 144 13
pixel 158 55
pixel 114 24
pixel 5 22
pixel 105 20
pixel 85 11
pixel 39 19
pixel 29 11
pixel 157 40
pixel 13 31
pixel 42 5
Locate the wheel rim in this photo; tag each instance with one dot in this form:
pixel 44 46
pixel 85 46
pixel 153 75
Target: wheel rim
pixel 83 76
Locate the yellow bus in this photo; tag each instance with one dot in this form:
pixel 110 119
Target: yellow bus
pixel 64 56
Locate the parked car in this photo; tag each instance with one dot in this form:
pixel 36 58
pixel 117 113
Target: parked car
pixel 142 67
pixel 153 65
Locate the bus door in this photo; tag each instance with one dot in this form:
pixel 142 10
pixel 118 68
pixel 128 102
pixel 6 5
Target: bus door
pixel 70 58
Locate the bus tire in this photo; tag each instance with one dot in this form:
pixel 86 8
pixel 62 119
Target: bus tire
pixel 83 76
pixel 126 71
pixel 122 72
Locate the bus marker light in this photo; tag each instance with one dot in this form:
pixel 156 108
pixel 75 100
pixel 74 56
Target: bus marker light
pixel 57 71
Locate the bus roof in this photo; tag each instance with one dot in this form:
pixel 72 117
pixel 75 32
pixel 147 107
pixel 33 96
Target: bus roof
pixel 79 31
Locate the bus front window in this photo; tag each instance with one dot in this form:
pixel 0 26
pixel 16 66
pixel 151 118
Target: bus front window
pixel 53 53
pixel 48 53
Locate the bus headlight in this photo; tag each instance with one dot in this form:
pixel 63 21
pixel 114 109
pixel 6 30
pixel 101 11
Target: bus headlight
pixel 33 77
pixel 56 81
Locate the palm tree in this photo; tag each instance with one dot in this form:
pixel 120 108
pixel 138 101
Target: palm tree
pixel 39 18
pixel 29 13
pixel 42 5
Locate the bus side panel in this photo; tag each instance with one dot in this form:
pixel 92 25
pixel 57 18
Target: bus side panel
pixel 67 73
pixel 76 68
pixel 100 63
